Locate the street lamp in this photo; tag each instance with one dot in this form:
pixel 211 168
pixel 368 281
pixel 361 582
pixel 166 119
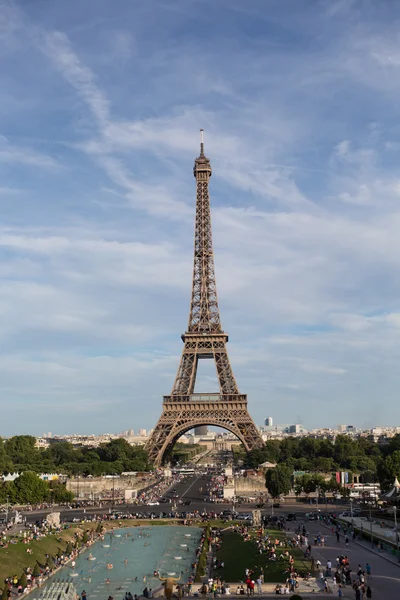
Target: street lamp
pixel 370 526
pixel 113 494
pixel 7 511
pixel 397 535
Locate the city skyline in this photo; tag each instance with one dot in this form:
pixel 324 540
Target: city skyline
pixel 99 120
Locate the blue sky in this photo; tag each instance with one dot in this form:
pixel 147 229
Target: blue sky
pixel 100 107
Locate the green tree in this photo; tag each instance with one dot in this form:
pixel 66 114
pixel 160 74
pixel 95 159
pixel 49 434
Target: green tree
pixel 323 464
pixel 23 581
pixel 59 493
pixel 278 480
pixel 62 453
pixel 30 488
pixel 308 483
pixel 388 469
pixel 21 449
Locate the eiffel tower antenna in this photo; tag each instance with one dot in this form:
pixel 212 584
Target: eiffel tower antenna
pixel 204 339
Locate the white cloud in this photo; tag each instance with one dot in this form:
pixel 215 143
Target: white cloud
pixel 96 257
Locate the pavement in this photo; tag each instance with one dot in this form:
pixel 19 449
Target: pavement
pixel 380 531
pixel 385 580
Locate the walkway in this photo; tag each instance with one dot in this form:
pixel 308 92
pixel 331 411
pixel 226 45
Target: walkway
pixel 385 581
pixel 385 533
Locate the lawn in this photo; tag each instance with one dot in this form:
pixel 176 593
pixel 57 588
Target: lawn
pixel 238 556
pixel 15 558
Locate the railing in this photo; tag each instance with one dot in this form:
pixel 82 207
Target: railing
pixel 207 398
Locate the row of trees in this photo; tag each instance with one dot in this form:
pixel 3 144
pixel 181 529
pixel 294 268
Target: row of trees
pixel 279 481
pixel 19 453
pixel 375 462
pixel 28 488
pixel 183 453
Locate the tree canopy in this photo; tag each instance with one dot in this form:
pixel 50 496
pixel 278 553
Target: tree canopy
pixel 19 454
pixel 373 461
pixel 278 480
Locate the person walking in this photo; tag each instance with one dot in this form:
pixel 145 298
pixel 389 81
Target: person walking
pixel 368 571
pixel 369 592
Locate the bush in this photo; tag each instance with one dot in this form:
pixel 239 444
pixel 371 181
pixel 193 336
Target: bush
pixel 85 538
pixel 36 570
pixel 68 549
pixel 4 595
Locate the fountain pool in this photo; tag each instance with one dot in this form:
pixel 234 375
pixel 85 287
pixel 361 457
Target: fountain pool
pixel 134 553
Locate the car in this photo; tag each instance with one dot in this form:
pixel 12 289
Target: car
pixel 276 505
pixel 291 517
pixel 187 502
pixel 153 503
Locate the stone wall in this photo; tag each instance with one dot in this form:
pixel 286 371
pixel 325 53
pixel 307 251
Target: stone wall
pixel 246 485
pixel 86 487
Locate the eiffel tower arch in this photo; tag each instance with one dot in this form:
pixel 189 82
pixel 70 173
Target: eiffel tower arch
pixel 204 339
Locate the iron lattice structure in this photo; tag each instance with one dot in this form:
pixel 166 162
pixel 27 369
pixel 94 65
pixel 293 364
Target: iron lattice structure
pixel 204 338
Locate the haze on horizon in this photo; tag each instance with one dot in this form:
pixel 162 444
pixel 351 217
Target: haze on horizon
pixel 100 108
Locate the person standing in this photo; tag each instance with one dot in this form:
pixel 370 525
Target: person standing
pixel 369 592
pixel 368 571
pixel 329 568
pixel 259 585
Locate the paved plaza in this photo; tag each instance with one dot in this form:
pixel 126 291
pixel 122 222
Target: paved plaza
pixel 385 580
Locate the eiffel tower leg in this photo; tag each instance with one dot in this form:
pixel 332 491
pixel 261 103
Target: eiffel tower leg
pixel 186 375
pixel 158 439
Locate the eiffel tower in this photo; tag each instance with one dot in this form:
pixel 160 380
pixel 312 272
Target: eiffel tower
pixel 204 338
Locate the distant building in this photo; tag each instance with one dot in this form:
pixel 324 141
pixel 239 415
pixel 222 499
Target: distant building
pixel 142 432
pixel 269 422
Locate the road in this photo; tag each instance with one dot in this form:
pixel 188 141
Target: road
pixel 192 490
